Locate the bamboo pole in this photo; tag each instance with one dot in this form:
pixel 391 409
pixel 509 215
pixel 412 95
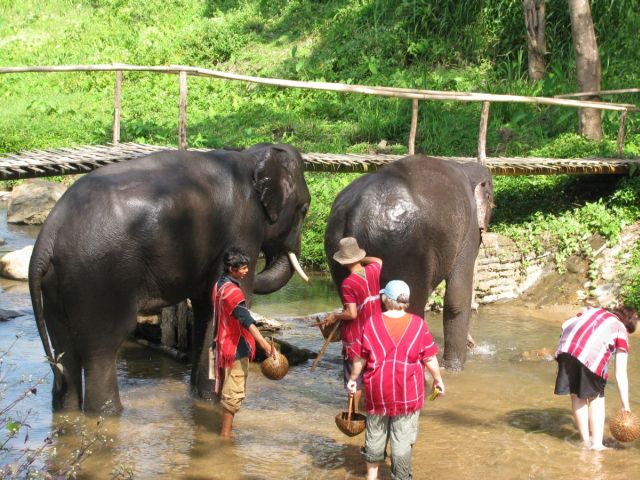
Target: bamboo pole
pixel 482 135
pixel 335 87
pixel 623 120
pixel 599 92
pixel 182 121
pixel 117 101
pixel 414 126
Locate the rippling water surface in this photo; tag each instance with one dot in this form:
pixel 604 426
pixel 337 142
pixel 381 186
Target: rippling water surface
pixel 499 419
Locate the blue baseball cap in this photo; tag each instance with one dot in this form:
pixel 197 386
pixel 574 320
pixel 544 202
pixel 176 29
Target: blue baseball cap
pixel 394 289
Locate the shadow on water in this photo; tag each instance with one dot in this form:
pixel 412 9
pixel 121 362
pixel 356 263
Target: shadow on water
pixel 556 422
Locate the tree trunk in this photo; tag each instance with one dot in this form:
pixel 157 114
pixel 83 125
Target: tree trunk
pixel 587 65
pixel 536 41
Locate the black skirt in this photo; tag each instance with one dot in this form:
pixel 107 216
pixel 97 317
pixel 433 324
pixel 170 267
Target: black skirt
pixel 573 377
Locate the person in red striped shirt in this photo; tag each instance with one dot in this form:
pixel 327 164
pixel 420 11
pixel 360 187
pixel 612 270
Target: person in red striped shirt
pixel 395 349
pixel 587 343
pixel 361 300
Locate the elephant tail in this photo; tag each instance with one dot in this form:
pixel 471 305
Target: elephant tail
pixel 38 267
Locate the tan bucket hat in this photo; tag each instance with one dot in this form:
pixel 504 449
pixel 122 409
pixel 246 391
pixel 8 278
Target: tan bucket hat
pixel 349 251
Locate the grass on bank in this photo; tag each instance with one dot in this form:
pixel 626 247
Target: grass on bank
pixel 466 45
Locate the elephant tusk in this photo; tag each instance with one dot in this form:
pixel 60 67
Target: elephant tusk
pixel 296 266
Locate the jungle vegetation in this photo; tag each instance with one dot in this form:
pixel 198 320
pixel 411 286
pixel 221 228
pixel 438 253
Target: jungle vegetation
pixel 461 45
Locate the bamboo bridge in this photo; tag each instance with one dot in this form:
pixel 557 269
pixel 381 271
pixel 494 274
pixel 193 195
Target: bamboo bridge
pixel 68 161
pixel 82 159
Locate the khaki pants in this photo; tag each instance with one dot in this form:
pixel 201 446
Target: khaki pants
pixel 402 431
pixel 234 386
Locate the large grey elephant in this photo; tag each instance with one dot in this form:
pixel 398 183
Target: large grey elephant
pixel 424 217
pixel 134 237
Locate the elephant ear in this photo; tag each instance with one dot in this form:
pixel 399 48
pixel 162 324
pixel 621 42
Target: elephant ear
pixel 272 180
pixel 482 186
pixel 484 203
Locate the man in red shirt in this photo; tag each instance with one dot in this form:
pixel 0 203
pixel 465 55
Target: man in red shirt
pixel 361 300
pixel 396 348
pixel 587 343
pixel 235 338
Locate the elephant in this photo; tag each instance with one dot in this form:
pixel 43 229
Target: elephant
pixel 424 218
pixel 134 237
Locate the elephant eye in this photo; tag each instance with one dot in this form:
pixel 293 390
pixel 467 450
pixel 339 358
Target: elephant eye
pixel 305 209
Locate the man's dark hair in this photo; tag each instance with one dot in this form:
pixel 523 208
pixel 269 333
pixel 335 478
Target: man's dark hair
pixel 628 316
pixel 234 258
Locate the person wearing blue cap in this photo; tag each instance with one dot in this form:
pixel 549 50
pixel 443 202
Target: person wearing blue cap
pixel 395 350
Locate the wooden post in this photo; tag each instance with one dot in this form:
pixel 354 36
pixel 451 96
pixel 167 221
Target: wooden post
pixel 623 120
pixel 414 126
pixel 116 108
pixel 482 136
pixel 182 121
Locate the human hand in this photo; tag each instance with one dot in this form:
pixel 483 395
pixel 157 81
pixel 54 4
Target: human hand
pixel 439 384
pixel 352 386
pixel 330 319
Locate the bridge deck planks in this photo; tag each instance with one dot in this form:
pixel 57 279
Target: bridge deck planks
pixel 67 161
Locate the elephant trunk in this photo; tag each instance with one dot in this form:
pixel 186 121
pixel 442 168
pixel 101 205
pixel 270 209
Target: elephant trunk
pixel 277 272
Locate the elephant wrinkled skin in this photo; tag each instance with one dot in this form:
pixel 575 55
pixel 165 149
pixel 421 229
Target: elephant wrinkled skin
pixel 134 237
pixel 424 217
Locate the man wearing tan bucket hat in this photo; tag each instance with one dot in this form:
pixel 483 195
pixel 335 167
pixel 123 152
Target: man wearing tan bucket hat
pixel 360 299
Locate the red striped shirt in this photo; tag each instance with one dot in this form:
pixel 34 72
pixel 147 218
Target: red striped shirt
pixel 394 372
pixel 365 293
pixel 591 337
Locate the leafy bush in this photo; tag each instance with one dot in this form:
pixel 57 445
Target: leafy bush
pixel 324 188
pixel 631 291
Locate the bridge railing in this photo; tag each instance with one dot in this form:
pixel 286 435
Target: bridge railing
pixel 415 95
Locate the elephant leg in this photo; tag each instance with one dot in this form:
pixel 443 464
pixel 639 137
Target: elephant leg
pixel 101 383
pixel 67 385
pixel 456 315
pixel 99 340
pixel 201 340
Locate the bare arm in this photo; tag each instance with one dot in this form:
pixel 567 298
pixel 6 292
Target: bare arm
pixel 622 379
pixel 433 367
pixel 266 346
pixel 349 312
pixel 368 260
pixel 356 369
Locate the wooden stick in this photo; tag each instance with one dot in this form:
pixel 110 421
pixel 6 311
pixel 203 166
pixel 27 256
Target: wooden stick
pixel 182 121
pixel 116 108
pixel 325 345
pixel 414 126
pixel 600 92
pixel 623 119
pixel 335 87
pixel 482 136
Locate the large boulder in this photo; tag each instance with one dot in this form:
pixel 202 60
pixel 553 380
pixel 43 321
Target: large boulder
pixel 31 201
pixel 15 265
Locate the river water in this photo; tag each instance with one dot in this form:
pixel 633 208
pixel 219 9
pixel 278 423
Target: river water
pixel 498 420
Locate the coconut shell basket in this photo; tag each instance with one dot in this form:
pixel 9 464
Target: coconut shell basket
pixel 275 368
pixel 624 426
pixel 351 423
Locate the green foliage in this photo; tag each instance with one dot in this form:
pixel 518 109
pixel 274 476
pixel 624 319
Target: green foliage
pixel 324 188
pixel 631 291
pixel 563 213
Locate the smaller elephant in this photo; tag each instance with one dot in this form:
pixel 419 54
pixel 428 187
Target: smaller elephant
pixel 424 217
